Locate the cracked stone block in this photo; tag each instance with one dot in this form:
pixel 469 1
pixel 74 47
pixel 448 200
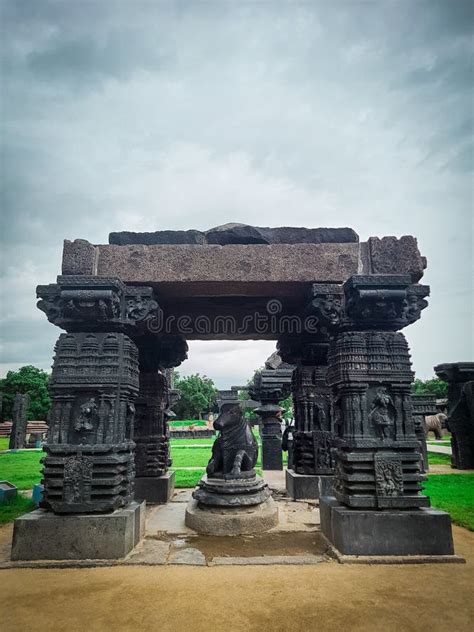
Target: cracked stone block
pixel 191 557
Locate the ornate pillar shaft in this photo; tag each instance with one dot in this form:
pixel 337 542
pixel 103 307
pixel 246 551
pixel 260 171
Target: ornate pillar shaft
pixel 19 422
pixel 377 507
pixel 379 453
pixel 313 439
pixel 89 462
pixel 153 482
pixel 422 405
pixel 378 461
pixel 270 387
pixel 460 378
pixel 313 460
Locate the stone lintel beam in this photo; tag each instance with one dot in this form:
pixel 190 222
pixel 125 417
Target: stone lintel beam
pixel 246 269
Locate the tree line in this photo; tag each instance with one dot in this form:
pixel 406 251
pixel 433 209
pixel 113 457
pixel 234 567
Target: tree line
pixel 197 393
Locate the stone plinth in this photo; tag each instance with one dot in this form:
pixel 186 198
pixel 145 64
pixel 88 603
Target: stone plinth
pixel 366 532
pixel 305 486
pixel 42 535
pixel 222 521
pixel 155 490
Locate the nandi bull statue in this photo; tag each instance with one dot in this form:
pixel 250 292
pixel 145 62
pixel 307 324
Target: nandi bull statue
pixel 231 499
pixel 235 450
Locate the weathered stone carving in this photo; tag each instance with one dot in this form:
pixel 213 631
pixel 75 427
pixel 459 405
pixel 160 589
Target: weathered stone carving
pixel 460 378
pixel 269 387
pixel 20 422
pixel 390 255
pixel 152 453
pixel 89 454
pixel 327 304
pixel 235 450
pixel 388 475
pixel 153 409
pixel 422 407
pixel 87 303
pixel 313 436
pixel 379 455
pixel 231 480
pixel 383 414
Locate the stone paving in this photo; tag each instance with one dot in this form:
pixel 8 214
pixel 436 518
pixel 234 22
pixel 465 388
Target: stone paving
pixel 169 541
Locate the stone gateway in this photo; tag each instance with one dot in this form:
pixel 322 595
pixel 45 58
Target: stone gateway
pixel 336 308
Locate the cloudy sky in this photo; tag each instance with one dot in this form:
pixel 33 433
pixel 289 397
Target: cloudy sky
pixel 133 115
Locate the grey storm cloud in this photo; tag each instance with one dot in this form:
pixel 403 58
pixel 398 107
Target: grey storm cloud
pixel 143 115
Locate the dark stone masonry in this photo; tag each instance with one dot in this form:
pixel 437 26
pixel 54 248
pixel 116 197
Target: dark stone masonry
pixel 460 379
pixel 19 422
pixel 334 305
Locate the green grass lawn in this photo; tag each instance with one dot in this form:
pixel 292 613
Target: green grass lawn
pixel 14 508
pixel 453 493
pixel 21 468
pixel 438 459
pixel 4 441
pixel 177 423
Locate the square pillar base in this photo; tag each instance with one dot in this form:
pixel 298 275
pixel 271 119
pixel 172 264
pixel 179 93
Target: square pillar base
pixel 368 532
pixel 43 535
pixel 156 490
pixel 313 486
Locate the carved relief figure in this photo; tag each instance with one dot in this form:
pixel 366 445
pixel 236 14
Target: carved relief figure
pixel 77 479
pixel 388 477
pixel 380 415
pixel 87 415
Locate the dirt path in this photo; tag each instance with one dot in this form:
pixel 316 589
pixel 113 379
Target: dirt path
pixel 327 597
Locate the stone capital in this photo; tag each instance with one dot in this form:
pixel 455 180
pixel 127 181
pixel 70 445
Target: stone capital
pixel 386 302
pixel 89 303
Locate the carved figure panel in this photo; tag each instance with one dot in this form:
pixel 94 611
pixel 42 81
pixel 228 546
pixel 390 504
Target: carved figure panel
pixel 388 475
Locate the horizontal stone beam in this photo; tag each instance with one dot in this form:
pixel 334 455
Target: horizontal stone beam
pixel 243 269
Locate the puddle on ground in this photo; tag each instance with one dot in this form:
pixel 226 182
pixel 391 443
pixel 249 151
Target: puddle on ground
pixel 280 543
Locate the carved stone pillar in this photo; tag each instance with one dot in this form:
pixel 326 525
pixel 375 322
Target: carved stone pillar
pixel 153 482
pixel 270 387
pixel 19 422
pixel 378 507
pixel 460 378
pixel 313 437
pixel 89 464
pixel 422 405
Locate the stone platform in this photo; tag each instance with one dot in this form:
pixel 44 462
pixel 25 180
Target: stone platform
pixel 223 521
pixel 42 535
pixel 306 486
pixel 359 532
pixel 155 491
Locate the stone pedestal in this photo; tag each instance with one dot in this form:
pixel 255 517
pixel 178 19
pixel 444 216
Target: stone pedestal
pixel 366 532
pixel 232 520
pixel 155 490
pixel 308 486
pixel 42 535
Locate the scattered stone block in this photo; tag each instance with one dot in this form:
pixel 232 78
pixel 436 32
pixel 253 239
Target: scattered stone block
pixel 8 491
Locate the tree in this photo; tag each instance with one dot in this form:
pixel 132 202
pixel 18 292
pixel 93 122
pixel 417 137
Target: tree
pixel 287 405
pixel 434 386
pixel 27 380
pixel 198 395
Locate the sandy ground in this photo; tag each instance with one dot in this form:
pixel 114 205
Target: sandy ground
pixel 325 597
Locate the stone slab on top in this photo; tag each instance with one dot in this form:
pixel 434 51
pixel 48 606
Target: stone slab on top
pixel 296 256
